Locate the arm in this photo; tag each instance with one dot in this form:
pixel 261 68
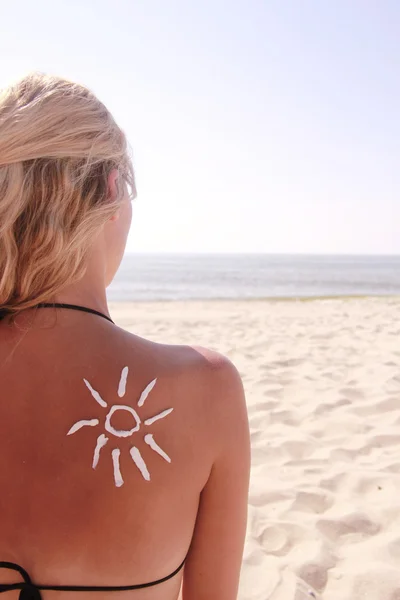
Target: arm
pixel 213 564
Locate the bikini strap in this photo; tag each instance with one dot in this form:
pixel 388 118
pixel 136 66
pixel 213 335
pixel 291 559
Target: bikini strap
pixel 74 307
pixel 4 312
pixel 30 591
pixel 110 588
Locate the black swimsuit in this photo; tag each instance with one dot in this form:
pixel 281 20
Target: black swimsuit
pixel 30 590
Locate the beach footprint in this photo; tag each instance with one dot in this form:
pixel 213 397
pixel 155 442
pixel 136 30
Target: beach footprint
pixel 312 502
pixel 354 523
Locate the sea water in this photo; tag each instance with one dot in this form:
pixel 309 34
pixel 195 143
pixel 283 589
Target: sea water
pixel 207 276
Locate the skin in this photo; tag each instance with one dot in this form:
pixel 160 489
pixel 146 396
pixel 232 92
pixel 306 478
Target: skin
pixel 66 523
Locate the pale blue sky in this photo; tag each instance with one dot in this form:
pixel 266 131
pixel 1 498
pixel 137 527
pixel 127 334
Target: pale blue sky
pixel 256 126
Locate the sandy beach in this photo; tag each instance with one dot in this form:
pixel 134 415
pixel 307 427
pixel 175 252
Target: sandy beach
pixel 322 379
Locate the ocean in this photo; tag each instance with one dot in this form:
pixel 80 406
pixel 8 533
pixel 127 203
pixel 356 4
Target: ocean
pixel 206 276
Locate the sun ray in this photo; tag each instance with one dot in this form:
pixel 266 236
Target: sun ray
pixel 161 415
pixel 139 462
pixel 101 441
pixel 79 424
pixel 146 392
pixel 95 394
pixel 149 439
pixel 117 472
pixel 122 382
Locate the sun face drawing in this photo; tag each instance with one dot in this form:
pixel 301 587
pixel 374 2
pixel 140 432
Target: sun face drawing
pixel 102 440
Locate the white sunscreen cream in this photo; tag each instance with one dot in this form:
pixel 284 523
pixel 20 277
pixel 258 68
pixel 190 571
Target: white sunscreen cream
pixel 162 415
pixel 146 392
pixel 139 462
pixel 149 439
pixel 84 423
pixel 123 432
pixel 117 472
pixel 95 394
pixel 101 441
pixel 122 382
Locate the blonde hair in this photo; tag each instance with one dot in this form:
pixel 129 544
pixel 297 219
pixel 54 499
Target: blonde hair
pixel 58 144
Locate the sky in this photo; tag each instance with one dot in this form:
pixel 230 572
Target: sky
pixel 255 126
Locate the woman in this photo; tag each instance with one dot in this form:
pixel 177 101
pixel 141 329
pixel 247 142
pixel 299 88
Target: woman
pixel 122 462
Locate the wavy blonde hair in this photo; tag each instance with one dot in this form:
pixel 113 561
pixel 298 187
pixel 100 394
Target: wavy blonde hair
pixel 58 144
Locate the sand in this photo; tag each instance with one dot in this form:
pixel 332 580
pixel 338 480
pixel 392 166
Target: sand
pixel 322 380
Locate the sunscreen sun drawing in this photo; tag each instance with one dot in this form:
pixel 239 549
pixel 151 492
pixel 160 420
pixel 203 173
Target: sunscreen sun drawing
pixel 103 439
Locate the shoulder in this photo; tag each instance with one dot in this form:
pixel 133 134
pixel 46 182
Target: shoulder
pixel 223 393
pixel 205 385
pixel 218 369
pixel 192 360
pixel 210 378
pixel 214 371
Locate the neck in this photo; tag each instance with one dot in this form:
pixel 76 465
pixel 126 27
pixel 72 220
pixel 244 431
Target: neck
pixel 90 291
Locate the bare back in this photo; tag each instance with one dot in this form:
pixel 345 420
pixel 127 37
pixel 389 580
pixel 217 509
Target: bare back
pixel 132 518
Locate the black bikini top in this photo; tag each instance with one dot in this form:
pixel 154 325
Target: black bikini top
pixel 30 590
